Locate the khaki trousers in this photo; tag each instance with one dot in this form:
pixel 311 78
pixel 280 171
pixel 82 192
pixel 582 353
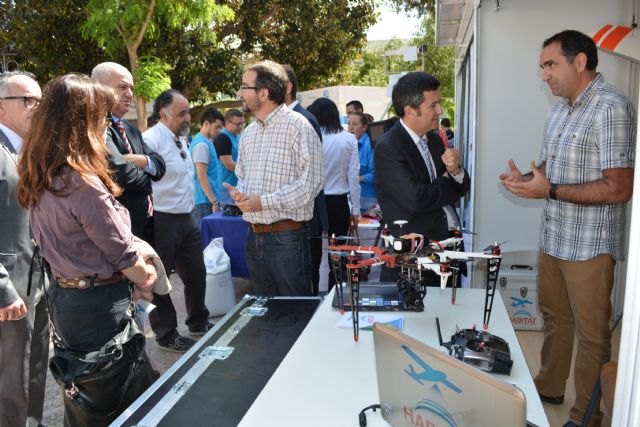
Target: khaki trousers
pixel 574 296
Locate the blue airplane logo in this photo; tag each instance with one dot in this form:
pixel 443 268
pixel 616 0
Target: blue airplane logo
pixel 429 374
pixel 517 302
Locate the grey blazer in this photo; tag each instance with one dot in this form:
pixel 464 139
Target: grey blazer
pixel 16 248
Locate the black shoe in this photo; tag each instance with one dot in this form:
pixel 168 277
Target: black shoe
pixel 198 332
pixel 558 400
pixel 570 424
pixel 179 344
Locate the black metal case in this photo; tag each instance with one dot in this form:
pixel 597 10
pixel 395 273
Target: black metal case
pixel 216 382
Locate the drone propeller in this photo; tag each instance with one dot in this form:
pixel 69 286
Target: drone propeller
pixel 460 230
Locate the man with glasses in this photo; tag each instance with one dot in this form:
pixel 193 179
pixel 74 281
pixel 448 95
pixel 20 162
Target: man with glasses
pixel 227 144
pixel 205 161
pixel 134 163
pixel 280 172
pixel 24 333
pixel 177 237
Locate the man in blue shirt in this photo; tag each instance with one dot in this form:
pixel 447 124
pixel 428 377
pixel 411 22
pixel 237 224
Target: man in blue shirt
pixel 205 160
pixel 226 144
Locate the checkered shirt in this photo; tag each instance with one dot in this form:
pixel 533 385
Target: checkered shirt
pixel 598 132
pixel 280 158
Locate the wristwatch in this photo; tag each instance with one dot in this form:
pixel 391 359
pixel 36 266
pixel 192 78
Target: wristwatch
pixel 552 191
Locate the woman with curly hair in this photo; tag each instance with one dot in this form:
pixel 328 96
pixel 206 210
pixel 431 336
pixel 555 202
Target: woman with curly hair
pixel 85 235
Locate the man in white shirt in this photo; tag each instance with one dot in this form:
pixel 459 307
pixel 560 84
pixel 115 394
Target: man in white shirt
pixel 177 237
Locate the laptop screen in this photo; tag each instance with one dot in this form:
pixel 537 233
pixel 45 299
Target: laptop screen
pixel 420 385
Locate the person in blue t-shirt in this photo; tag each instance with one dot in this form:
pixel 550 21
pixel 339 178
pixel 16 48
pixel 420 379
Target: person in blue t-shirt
pixel 227 144
pixel 205 160
pixel 357 125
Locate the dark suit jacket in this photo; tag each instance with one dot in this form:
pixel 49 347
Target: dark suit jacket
pixel 405 190
pixel 320 220
pixel 135 182
pixel 16 248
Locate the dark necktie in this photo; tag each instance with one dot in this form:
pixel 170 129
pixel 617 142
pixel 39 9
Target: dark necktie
pixel 123 134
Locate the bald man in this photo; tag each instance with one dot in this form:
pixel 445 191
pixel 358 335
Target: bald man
pixel 135 164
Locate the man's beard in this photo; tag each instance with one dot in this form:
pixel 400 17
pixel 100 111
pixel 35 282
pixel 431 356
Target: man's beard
pixel 183 130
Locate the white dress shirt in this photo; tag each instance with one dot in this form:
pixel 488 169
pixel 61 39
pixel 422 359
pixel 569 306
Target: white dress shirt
pixel 174 193
pixel 342 167
pixel 14 138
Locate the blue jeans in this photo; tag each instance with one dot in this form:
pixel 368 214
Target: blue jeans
pixel 200 211
pixel 280 263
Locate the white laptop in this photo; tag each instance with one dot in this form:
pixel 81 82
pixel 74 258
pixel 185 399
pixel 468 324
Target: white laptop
pixel 421 386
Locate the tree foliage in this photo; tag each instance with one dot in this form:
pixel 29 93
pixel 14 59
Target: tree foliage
pixel 205 56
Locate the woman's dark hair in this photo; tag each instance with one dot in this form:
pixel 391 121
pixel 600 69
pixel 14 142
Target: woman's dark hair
pixel 327 114
pixel 67 131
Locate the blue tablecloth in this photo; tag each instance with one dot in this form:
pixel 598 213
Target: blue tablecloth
pixel 233 230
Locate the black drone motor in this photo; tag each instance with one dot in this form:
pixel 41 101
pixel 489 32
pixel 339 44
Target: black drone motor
pixel 481 349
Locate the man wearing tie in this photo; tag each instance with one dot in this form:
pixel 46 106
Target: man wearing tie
pixel 24 325
pixel 417 179
pixel 135 164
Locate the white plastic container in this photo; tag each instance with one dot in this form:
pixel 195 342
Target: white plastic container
pixel 518 284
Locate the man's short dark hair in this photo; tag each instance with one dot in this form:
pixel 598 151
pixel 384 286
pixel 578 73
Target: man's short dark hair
pixel 234 112
pixel 270 75
pixel 574 42
pixel 292 78
pixel 210 115
pixel 356 104
pixel 445 123
pixel 409 91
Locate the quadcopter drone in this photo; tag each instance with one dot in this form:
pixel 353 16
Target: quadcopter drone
pixel 414 258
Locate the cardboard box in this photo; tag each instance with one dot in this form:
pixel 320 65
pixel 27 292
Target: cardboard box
pixel 518 284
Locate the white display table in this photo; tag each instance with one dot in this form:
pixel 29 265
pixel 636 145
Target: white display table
pixel 327 378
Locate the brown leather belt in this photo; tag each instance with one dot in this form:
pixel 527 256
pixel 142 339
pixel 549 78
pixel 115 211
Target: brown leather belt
pixel 284 225
pixel 85 282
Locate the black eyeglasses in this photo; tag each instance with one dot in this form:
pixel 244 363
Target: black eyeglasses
pixel 30 102
pixel 182 153
pixel 245 87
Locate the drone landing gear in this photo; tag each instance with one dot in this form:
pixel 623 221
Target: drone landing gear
pixel 493 268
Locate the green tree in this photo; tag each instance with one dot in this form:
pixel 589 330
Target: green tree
pixel 117 23
pixel 317 37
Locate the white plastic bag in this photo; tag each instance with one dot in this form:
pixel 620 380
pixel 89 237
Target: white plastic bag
pixel 216 259
pixel 220 296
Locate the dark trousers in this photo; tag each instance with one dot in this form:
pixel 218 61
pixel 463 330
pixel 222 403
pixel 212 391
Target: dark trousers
pixel 280 262
pixel 87 320
pixel 24 351
pixel 178 245
pixel 339 215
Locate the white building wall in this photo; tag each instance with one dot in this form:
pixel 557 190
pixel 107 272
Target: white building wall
pixel 513 101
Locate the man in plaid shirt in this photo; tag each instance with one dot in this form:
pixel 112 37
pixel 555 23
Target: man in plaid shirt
pixel 280 172
pixel 586 175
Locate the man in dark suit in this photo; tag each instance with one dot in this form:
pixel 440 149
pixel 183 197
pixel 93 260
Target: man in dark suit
pixel 134 163
pixel 24 332
pixel 417 179
pixel 320 221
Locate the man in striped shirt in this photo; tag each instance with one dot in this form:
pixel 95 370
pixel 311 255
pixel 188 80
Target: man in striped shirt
pixel 586 175
pixel 280 172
